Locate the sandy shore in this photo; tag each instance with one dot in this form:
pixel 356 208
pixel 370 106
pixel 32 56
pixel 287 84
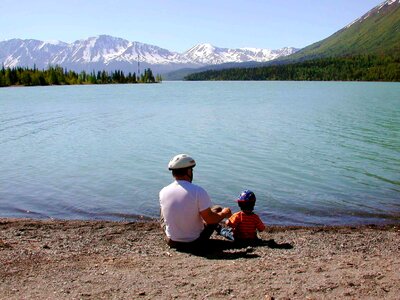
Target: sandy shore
pixel 116 260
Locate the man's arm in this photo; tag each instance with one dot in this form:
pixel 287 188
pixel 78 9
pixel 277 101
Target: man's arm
pixel 211 217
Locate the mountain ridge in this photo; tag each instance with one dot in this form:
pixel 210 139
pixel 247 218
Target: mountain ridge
pixel 368 49
pixel 376 32
pixel 105 52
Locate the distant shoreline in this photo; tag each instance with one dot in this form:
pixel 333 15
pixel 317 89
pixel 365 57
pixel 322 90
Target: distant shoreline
pixel 56 75
pixel 82 84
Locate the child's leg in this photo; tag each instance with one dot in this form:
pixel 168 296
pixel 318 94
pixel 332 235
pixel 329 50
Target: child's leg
pixel 225 232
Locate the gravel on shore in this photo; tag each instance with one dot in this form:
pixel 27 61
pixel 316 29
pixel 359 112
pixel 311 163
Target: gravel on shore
pixel 56 259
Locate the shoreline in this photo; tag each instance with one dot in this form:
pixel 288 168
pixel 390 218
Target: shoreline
pixel 113 217
pixel 95 259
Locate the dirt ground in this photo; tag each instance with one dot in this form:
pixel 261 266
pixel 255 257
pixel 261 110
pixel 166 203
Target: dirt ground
pixel 121 260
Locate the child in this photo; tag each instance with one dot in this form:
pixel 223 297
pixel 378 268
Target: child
pixel 245 223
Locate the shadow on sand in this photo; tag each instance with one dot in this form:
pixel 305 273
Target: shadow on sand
pixel 223 249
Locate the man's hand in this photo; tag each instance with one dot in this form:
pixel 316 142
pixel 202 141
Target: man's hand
pixel 225 213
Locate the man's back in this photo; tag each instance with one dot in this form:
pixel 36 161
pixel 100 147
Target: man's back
pixel 181 203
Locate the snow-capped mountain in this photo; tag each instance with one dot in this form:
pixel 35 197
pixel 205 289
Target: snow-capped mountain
pixel 18 52
pixel 375 10
pixel 110 53
pixel 210 55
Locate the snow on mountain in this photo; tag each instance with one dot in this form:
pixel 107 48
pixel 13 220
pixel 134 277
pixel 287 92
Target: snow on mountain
pixel 107 52
pixel 210 55
pixel 97 49
pixel 149 54
pixel 17 52
pixel 53 42
pixel 376 9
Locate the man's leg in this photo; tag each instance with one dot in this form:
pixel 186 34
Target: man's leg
pixel 201 241
pixel 207 232
pixel 210 228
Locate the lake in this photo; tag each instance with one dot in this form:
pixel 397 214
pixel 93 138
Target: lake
pixel 312 152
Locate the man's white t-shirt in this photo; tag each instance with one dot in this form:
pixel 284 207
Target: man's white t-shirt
pixel 181 203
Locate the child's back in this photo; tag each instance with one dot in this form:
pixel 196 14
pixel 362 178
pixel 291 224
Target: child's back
pixel 245 223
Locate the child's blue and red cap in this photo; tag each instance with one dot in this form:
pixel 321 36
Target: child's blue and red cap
pixel 246 196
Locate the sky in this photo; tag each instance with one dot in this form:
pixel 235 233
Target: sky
pixel 178 25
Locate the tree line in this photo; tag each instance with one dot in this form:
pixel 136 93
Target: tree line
pixel 56 75
pixel 352 68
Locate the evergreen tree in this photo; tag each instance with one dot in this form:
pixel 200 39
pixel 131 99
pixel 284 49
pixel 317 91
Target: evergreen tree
pixel 2 80
pixel 147 76
pixel 362 67
pixel 56 75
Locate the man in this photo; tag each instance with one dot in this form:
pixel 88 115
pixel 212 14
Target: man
pixel 186 212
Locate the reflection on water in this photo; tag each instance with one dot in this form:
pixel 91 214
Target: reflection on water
pixel 313 152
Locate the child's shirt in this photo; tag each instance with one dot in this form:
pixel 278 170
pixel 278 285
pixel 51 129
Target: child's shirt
pixel 245 226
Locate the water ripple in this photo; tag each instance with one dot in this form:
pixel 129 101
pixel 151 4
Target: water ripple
pixel 326 153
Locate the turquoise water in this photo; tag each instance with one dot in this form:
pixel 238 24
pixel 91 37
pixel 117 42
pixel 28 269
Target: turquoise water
pixel 313 152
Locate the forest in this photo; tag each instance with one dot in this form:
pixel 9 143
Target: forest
pixel 57 75
pixel 351 68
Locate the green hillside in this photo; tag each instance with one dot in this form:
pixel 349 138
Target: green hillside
pixel 366 50
pixel 377 33
pixel 351 68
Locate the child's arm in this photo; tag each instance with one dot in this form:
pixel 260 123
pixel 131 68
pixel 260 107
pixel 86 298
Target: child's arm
pixel 260 229
pixel 260 225
pixel 232 221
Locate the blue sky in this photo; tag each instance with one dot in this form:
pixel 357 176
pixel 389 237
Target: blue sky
pixel 177 25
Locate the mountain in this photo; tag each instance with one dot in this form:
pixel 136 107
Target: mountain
pixel 210 55
pixel 18 52
pixel 110 53
pixel 214 58
pixel 377 32
pixel 368 49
